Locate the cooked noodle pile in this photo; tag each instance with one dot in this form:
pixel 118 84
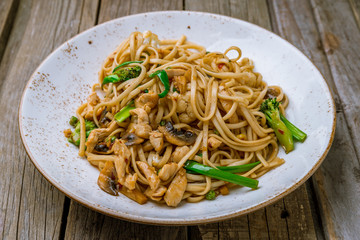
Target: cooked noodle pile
pixel 211 115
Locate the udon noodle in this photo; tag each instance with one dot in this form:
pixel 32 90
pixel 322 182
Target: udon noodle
pixel 211 115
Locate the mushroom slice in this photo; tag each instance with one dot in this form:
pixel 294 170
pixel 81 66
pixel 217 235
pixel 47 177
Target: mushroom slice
pixel 107 178
pixel 176 189
pixel 132 139
pixel 178 137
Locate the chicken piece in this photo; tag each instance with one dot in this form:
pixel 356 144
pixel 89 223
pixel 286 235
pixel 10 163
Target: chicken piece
pixel 93 100
pixel 130 181
pixel 157 140
pixel 167 171
pixel 147 101
pixel 184 109
pixel 213 143
pixel 179 153
pixel 227 104
pixel 68 133
pixel 123 155
pixel 180 83
pixel 224 190
pixel 176 189
pixel 175 72
pixel 98 135
pixel 135 195
pixel 147 146
pixel 142 127
pixel 150 174
pixel 156 194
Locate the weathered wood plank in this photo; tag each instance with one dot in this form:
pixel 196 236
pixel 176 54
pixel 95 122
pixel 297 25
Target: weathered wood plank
pixel 337 222
pixel 7 15
pixel 111 9
pixel 30 207
pixel 258 228
pixel 237 228
pixel 86 224
pixel 300 221
pixel 355 6
pixel 81 219
pixel 89 14
pixel 340 37
pixel 276 220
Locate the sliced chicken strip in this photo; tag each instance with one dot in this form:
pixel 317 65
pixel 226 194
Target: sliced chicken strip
pixel 167 171
pixel 150 174
pixel 176 189
pixel 157 140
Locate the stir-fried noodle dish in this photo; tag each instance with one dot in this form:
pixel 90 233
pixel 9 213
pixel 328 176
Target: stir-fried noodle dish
pixel 169 121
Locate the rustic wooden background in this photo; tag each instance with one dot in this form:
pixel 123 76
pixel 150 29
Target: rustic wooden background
pixel 326 207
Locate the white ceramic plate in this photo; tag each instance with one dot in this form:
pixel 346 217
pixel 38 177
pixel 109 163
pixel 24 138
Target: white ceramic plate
pixel 62 82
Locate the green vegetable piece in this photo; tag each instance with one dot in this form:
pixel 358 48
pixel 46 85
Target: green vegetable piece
pixel 216 132
pixel 123 75
pixel 221 175
pixel 270 107
pixel 240 168
pixel 111 79
pixel 210 195
pixel 146 91
pixel 124 113
pixel 162 75
pixel 199 154
pixel 112 139
pixel 124 64
pixel 296 132
pixel 162 123
pixel 89 125
pixel 73 121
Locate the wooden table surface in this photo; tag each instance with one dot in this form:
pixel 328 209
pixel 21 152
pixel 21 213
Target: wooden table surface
pixel 326 207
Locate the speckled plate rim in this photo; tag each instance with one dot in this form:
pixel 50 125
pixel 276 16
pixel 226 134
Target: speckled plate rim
pixel 144 220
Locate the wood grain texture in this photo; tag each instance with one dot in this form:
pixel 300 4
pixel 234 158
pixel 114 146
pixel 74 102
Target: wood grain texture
pixel 111 9
pixel 340 37
pixel 86 224
pixel 30 207
pixel 89 14
pixel 7 15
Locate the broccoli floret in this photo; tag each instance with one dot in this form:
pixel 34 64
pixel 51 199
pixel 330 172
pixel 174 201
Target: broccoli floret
pixel 73 121
pixel 75 136
pixel 211 195
pixel 128 73
pixel 270 107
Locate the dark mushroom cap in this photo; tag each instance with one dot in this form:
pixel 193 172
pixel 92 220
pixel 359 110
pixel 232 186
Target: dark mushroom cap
pixel 132 139
pixel 178 137
pixel 107 179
